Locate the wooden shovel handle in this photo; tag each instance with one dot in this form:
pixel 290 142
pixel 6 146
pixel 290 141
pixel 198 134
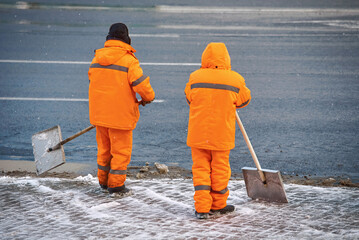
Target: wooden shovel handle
pixel 254 156
pixel 57 146
pixel 77 134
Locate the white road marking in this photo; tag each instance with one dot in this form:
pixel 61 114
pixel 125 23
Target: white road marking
pixel 88 63
pixel 257 28
pixel 216 9
pixel 44 99
pixel 178 9
pixel 170 64
pixel 164 35
pixel 56 99
pixel 352 24
pixel 275 34
pixel 23 5
pixel 43 62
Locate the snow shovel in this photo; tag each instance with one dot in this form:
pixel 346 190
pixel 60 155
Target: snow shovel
pixel 48 150
pixel 262 184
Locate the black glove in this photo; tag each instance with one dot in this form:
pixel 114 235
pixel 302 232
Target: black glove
pixel 143 103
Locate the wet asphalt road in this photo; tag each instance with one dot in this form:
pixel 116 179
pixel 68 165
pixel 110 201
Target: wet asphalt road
pixel 300 62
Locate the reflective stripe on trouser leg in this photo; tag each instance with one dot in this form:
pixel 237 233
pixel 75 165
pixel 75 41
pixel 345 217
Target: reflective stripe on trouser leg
pixel 121 148
pixel 201 170
pixel 117 172
pixel 221 172
pixel 103 154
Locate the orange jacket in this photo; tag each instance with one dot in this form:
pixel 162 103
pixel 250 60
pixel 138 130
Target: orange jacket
pixel 214 92
pixel 115 78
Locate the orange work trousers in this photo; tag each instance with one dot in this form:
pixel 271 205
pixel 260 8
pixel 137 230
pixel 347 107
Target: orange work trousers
pixel 114 148
pixel 211 172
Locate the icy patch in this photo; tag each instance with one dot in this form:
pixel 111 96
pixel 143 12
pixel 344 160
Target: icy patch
pixel 88 178
pixel 37 208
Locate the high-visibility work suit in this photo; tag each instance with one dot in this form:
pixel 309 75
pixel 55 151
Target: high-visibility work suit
pixel 115 78
pixel 213 93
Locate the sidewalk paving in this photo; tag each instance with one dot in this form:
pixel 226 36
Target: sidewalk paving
pixel 75 208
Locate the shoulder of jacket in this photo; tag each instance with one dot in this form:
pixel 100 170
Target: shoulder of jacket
pixel 131 55
pixel 198 71
pixel 239 76
pixel 128 59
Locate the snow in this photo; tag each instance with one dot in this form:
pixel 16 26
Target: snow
pixel 40 208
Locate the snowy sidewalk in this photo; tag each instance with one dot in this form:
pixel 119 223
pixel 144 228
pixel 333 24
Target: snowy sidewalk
pixel 58 208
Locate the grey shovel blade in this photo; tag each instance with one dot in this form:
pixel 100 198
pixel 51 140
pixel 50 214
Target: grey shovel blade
pixel 272 191
pixel 41 142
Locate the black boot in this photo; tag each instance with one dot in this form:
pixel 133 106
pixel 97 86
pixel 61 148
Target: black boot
pixel 202 215
pixel 226 209
pixel 119 191
pixel 103 188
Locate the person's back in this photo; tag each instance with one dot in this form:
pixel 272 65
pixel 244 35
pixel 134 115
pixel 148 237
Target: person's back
pixel 113 73
pixel 213 93
pixel 115 77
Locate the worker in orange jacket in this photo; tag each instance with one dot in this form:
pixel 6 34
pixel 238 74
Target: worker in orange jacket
pixel 115 78
pixel 213 93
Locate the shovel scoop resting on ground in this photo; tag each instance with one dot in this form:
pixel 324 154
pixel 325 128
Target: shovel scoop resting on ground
pixel 262 184
pixel 48 148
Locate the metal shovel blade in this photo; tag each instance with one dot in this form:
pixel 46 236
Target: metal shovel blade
pixel 272 191
pixel 41 142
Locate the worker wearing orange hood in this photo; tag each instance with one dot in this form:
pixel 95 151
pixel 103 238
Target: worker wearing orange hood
pixel 115 78
pixel 213 92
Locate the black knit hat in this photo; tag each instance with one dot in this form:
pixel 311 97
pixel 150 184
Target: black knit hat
pixel 119 31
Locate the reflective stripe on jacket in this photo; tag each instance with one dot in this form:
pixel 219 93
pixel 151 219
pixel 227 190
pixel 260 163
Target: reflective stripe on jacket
pixel 213 93
pixel 115 78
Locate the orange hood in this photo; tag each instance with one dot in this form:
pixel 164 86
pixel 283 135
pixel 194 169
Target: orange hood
pixel 216 56
pixel 112 52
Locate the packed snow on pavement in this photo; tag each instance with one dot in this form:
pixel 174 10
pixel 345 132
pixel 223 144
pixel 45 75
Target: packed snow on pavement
pixel 63 208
